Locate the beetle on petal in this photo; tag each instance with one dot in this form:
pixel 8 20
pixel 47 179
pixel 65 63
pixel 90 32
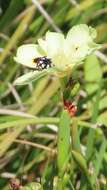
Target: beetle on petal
pixel 57 54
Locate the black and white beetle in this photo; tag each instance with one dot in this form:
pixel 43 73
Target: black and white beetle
pixel 42 63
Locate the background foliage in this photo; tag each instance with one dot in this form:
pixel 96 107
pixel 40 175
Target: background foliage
pixel 28 143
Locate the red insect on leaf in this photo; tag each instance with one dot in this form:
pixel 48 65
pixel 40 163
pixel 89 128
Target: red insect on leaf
pixel 70 107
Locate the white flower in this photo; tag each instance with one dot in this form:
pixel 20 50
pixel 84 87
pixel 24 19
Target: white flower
pixel 64 53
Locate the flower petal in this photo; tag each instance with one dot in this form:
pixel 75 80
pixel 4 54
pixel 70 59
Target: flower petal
pixel 81 34
pixel 54 42
pixel 26 54
pixel 79 43
pixel 43 46
pixel 55 49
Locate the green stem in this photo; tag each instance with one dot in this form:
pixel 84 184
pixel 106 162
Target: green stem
pixel 43 120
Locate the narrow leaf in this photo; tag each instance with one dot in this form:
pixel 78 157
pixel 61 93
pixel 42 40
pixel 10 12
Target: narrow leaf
pixel 63 141
pixel 29 77
pixel 92 73
pixel 80 160
pixel 33 75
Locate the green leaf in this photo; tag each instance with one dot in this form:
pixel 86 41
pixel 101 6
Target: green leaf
pixel 75 136
pixel 102 119
pixel 103 103
pixel 31 76
pixel 9 15
pixel 92 73
pixel 80 160
pixel 33 186
pixel 63 141
pixel 99 159
pixel 95 112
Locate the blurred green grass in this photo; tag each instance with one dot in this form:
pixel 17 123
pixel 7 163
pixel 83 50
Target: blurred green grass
pixel 24 22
